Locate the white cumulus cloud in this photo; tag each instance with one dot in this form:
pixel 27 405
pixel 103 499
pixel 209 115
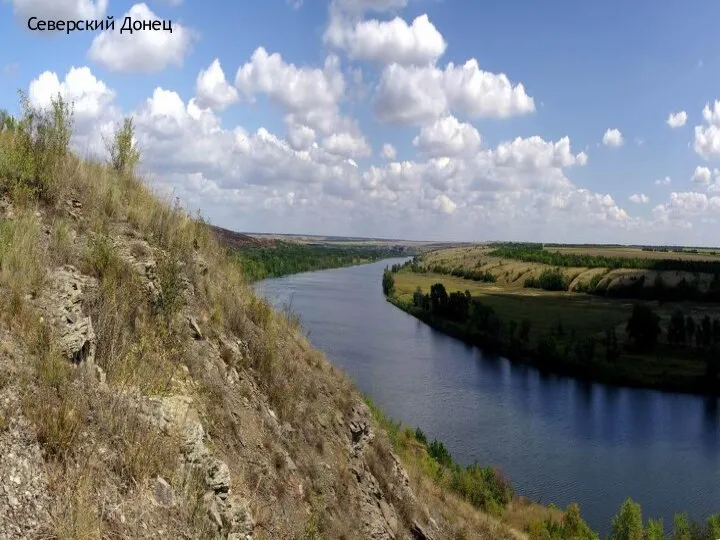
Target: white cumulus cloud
pixel 144 51
pixel 388 152
pixel 347 145
pixel 387 42
pixel 613 138
pixel 707 137
pixel 639 198
pixel 212 89
pixel 447 137
pixel 309 94
pixel 701 175
pixel 418 95
pixel 677 119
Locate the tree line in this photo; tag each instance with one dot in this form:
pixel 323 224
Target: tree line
pixel 284 258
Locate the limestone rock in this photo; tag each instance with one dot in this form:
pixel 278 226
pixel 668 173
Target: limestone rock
pixel 217 476
pixel 237 518
pixel 163 492
pixel 194 328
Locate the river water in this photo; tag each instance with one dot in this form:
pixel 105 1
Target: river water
pixel 557 439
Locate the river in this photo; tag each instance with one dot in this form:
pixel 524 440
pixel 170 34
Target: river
pixel 557 439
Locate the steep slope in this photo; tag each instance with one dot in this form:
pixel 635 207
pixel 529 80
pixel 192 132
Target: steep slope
pixel 146 392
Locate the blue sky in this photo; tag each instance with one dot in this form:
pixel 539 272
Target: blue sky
pixel 293 143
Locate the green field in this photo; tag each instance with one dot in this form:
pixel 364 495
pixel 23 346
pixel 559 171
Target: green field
pixel 587 315
pixel 582 315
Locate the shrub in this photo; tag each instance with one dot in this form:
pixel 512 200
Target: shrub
pixel 39 146
pixel 124 155
pixel 627 524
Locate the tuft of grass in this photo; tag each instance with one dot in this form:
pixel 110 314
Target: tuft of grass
pixel 23 260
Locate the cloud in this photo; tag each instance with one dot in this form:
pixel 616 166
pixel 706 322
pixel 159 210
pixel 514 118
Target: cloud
pixel 701 175
pixel 89 96
pixel 387 42
pixel 534 153
pixel 447 137
pixel 518 188
pixel 212 89
pixel 144 51
pixel 707 137
pixel 418 95
pixel 388 152
pixel 676 120
pixel 685 206
pixel 444 204
pixel 60 9
pixel 639 198
pixel 613 138
pixel 300 137
pixel 311 95
pixel 663 181
pixel 347 145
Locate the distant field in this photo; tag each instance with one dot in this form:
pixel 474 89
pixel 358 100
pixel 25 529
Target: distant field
pixel 588 315
pixel 632 252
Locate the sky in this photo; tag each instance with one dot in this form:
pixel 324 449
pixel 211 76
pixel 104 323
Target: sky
pixel 558 121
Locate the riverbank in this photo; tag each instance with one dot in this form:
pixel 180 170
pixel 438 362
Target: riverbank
pixel 276 258
pixel 567 334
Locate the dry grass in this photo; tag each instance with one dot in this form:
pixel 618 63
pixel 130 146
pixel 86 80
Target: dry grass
pixel 101 455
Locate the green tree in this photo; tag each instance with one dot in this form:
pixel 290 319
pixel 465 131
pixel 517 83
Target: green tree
pixel 438 299
pixel 574 527
pixel 676 331
pixel 681 527
pixel 713 527
pixel 124 154
pixel 643 327
pixel 388 283
pixel 627 524
pixel 655 530
pixel 418 297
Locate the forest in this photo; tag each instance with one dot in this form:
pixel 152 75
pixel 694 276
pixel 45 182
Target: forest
pixel 284 258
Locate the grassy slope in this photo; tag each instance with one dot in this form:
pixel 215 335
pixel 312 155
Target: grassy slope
pixel 101 458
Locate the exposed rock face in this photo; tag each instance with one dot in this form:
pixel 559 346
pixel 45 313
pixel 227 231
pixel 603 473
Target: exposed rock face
pixel 64 306
pixel 229 512
pixel 24 498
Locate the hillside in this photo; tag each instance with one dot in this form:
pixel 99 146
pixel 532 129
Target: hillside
pixel 145 391
pixel 631 265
